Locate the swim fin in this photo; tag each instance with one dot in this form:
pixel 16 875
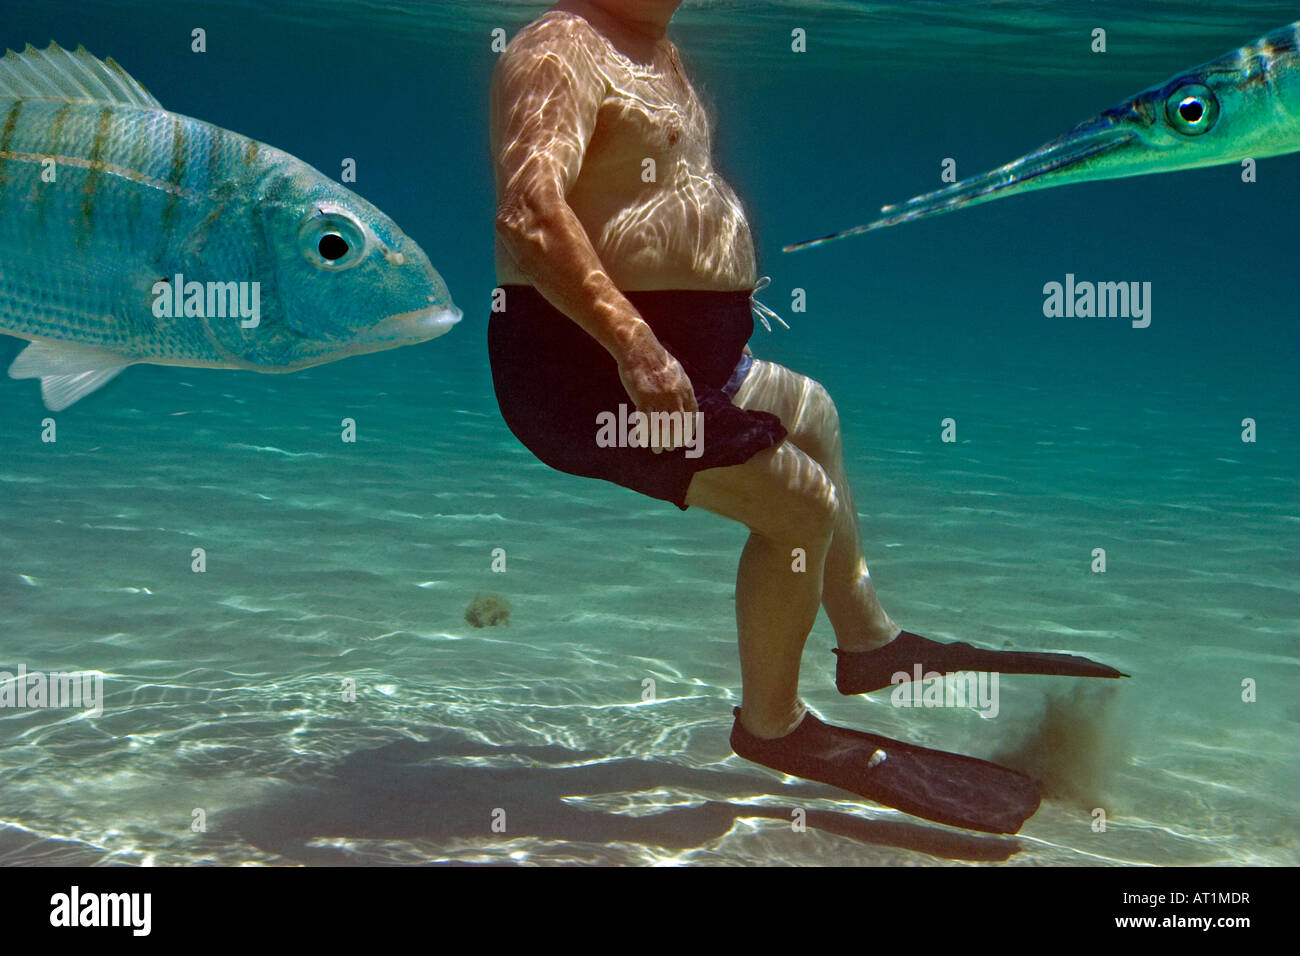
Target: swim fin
pixel 859 672
pixel 934 784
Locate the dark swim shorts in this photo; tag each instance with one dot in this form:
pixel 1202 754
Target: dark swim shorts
pixel 554 382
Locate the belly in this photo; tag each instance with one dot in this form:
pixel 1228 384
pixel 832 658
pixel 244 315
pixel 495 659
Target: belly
pixel 694 237
pixel 690 233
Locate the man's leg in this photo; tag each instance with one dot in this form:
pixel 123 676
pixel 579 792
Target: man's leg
pixel 787 501
pixel 809 415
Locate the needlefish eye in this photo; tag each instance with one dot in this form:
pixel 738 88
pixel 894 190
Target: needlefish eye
pixel 1192 109
pixel 331 241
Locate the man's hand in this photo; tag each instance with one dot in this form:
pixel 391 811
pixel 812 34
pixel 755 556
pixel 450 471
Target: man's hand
pixel 656 382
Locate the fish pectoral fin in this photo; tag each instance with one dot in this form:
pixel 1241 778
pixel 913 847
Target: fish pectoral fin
pixel 68 371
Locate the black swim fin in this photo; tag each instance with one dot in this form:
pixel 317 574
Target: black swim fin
pixel 859 672
pixel 934 784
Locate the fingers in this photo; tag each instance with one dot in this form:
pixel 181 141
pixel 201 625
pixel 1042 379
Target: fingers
pixel 669 420
pixel 688 423
pixel 666 398
pixel 679 426
pixel 671 428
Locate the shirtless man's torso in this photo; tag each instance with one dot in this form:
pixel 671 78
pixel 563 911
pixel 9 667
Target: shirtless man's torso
pixel 646 194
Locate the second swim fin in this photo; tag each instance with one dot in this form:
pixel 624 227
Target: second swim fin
pixel 859 672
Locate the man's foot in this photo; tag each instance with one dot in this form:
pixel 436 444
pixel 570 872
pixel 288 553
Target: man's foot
pixel 946 787
pixel 859 672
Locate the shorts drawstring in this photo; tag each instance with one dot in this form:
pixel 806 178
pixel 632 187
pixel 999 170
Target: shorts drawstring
pixel 762 312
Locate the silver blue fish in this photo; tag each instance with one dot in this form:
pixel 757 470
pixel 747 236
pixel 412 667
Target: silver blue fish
pixel 132 234
pixel 1244 104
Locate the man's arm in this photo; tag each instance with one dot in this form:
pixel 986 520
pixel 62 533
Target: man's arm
pixel 546 95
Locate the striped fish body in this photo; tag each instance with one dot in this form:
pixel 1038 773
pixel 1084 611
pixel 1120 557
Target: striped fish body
pixel 106 198
pixel 138 196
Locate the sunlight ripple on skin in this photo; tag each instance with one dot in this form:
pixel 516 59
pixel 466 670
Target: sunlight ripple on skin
pixel 685 221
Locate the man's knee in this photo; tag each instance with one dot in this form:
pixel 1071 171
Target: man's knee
pixel 804 512
pixel 817 427
pixel 825 405
pixel 781 493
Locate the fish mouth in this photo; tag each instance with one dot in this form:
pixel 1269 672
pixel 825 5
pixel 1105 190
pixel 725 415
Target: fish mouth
pixel 1071 157
pixel 408 328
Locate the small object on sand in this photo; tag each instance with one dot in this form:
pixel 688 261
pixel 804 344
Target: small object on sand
pixel 488 610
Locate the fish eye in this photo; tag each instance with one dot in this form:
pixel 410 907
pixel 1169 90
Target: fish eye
pixel 1192 109
pixel 332 246
pixel 331 240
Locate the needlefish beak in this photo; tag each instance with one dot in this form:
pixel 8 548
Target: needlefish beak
pixel 1074 157
pixel 1095 149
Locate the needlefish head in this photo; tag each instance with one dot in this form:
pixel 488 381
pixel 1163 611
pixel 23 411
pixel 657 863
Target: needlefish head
pixel 1206 116
pixel 347 280
pixel 1223 111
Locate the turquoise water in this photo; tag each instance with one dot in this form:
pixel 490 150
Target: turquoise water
pixel 329 561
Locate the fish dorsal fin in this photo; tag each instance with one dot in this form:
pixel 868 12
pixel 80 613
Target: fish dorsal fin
pixel 56 74
pixel 68 370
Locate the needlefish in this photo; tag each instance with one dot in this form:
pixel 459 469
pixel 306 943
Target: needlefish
pixel 1245 104
pixel 131 234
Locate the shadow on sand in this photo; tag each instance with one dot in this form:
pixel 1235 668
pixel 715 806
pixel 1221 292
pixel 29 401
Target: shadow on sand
pixel 408 791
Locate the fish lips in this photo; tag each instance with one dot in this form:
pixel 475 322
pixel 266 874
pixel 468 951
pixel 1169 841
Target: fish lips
pixel 406 328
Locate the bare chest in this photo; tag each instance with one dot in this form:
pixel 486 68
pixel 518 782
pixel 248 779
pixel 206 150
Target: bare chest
pixel 650 112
